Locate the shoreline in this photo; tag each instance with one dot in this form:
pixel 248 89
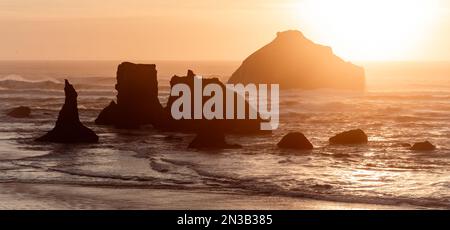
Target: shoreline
pixel 27 196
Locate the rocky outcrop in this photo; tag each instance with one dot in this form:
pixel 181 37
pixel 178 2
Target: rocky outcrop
pixel 295 140
pixel 20 112
pixel 293 61
pixel 68 128
pixel 227 125
pixel 137 98
pixel 423 146
pixel 356 136
pixel 210 137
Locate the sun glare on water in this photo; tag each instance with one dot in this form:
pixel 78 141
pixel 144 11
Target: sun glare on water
pixel 369 29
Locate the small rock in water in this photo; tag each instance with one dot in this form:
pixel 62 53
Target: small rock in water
pixel 356 136
pixel 137 98
pixel 295 140
pixel 423 146
pixel 20 112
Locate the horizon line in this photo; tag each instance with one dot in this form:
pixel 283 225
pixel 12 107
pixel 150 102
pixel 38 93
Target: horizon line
pixel 204 60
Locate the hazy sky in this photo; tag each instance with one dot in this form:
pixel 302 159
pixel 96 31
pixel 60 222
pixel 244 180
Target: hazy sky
pixel 221 29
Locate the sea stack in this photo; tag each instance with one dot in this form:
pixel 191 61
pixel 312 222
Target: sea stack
pixel 293 61
pixel 137 98
pixel 68 128
pixel 242 126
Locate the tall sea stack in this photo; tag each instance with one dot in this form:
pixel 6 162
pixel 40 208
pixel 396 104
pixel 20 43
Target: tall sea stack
pixel 293 61
pixel 137 98
pixel 68 128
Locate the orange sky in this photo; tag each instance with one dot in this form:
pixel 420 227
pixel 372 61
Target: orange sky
pixel 220 30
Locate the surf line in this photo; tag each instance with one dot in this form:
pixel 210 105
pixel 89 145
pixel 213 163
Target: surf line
pixel 213 108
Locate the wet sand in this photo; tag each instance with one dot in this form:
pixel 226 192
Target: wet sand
pixel 63 197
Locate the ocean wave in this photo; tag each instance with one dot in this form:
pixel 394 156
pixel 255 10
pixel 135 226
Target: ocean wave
pixel 210 180
pixel 18 82
pixel 313 189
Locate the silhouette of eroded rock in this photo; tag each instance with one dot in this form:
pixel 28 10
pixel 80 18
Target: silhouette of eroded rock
pixel 295 140
pixel 228 125
pixel 423 146
pixel 137 98
pixel 20 112
pixel 68 128
pixel 293 61
pixel 356 136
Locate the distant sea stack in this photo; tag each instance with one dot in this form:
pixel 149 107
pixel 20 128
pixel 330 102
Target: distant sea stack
pixel 68 128
pixel 137 98
pixel 293 61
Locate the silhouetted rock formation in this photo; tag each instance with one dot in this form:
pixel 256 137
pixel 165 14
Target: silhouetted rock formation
pixel 20 112
pixel 423 146
pixel 68 128
pixel 228 125
pixel 210 137
pixel 138 103
pixel 356 136
pixel 293 61
pixel 137 98
pixel 295 140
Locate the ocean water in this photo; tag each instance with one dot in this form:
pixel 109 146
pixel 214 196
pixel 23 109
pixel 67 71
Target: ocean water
pixel 403 103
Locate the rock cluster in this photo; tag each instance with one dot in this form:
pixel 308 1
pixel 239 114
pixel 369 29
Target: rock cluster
pixel 138 104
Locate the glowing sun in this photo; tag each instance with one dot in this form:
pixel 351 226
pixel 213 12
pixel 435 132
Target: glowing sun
pixel 368 29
